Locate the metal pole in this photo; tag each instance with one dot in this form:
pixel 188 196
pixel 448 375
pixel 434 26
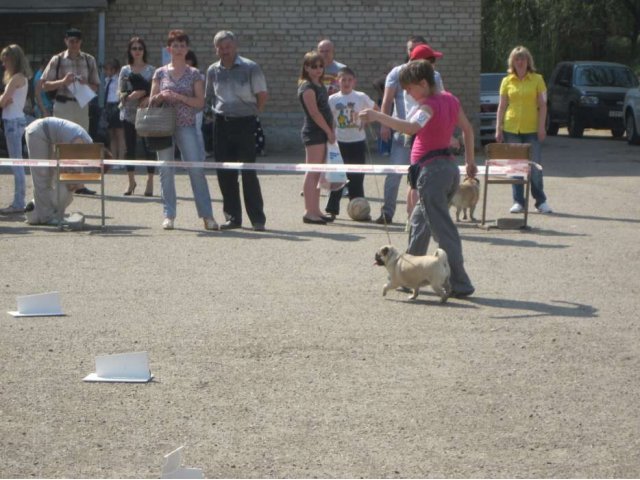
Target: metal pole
pixel 101 48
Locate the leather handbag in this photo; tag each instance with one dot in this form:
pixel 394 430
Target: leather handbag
pixel 155 121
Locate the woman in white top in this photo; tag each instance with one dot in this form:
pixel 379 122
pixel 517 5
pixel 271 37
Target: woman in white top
pixel 16 80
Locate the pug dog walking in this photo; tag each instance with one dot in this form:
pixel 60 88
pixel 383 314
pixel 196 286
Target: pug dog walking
pixel 414 272
pixel 466 198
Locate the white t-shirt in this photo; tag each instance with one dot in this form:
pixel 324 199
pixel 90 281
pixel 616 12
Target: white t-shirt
pixel 345 109
pixel 112 91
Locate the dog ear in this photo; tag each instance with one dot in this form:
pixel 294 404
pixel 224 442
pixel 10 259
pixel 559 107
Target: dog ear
pixel 384 251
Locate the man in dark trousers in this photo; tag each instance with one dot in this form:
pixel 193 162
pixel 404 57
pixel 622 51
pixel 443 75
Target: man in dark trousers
pixel 237 90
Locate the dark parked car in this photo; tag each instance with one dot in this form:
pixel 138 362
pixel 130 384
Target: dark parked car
pixel 489 98
pixel 588 95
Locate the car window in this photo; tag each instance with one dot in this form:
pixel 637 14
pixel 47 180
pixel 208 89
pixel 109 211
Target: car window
pixel 605 76
pixel 564 75
pixel 491 82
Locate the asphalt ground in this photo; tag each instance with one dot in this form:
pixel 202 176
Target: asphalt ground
pixel 275 354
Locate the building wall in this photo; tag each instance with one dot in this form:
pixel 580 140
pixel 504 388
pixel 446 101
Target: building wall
pixel 370 36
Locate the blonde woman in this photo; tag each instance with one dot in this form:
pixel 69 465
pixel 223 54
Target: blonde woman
pixel 522 112
pixel 16 81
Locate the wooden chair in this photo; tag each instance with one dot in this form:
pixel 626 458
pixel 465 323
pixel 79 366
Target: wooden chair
pixel 85 175
pixel 514 161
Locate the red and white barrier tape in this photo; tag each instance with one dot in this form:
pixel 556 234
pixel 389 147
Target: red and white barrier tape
pixel 497 167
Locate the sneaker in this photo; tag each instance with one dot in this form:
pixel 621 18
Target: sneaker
pixel 11 209
pixel 384 220
pixel 544 208
pixel 167 224
pixel 210 224
pixel 517 208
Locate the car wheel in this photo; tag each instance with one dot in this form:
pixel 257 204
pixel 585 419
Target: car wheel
pixel 552 127
pixel 575 127
pixel 633 138
pixel 618 131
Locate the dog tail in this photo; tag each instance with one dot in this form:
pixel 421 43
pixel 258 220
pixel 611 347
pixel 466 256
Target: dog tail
pixel 441 254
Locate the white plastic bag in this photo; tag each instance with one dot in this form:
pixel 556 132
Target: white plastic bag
pixel 333 180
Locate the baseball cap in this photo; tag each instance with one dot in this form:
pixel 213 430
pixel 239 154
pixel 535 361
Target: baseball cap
pixel 423 52
pixel 73 32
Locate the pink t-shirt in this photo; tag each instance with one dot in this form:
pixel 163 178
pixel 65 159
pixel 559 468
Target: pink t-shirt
pixel 436 134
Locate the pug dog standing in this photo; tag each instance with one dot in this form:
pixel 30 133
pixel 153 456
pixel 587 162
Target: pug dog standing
pixel 466 197
pixel 414 272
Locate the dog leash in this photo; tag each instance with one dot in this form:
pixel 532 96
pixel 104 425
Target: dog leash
pixel 375 177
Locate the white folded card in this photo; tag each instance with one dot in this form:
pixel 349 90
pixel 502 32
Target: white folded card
pixel 121 367
pixel 82 92
pixel 172 467
pixel 39 305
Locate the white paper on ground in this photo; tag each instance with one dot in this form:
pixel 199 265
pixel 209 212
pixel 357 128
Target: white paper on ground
pixel 172 467
pixel 121 367
pixel 39 305
pixel 82 93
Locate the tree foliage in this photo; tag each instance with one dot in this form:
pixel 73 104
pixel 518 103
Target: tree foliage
pixel 556 30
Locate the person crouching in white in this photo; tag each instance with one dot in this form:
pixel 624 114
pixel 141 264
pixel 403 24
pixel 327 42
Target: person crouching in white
pixel 41 136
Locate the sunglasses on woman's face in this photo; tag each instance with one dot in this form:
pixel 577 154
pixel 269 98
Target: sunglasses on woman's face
pixel 316 65
pixel 137 49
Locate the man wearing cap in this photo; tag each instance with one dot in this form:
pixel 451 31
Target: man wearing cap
pixel 63 69
pixel 331 67
pixel 396 103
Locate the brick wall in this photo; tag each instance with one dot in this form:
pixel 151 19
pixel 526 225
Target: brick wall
pixel 369 36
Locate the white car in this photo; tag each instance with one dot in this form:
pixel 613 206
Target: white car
pixel 631 109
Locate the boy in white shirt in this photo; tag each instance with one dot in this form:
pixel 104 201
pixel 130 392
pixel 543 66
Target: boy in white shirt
pixel 345 106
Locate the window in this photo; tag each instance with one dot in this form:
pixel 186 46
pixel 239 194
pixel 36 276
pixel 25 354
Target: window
pixel 43 40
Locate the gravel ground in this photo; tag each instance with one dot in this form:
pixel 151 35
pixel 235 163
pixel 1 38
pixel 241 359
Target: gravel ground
pixel 275 354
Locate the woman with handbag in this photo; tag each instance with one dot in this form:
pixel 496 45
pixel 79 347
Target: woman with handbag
pixel 134 85
pixel 316 131
pixel 178 86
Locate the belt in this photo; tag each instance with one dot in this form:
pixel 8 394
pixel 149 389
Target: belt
pixel 63 99
pixel 434 154
pixel 227 118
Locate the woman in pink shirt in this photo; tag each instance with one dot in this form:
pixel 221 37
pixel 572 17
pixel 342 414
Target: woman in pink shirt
pixel 438 175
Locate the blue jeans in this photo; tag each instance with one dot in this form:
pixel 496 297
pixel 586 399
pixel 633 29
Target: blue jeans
pixel 537 187
pixel 400 155
pixel 187 140
pixel 13 132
